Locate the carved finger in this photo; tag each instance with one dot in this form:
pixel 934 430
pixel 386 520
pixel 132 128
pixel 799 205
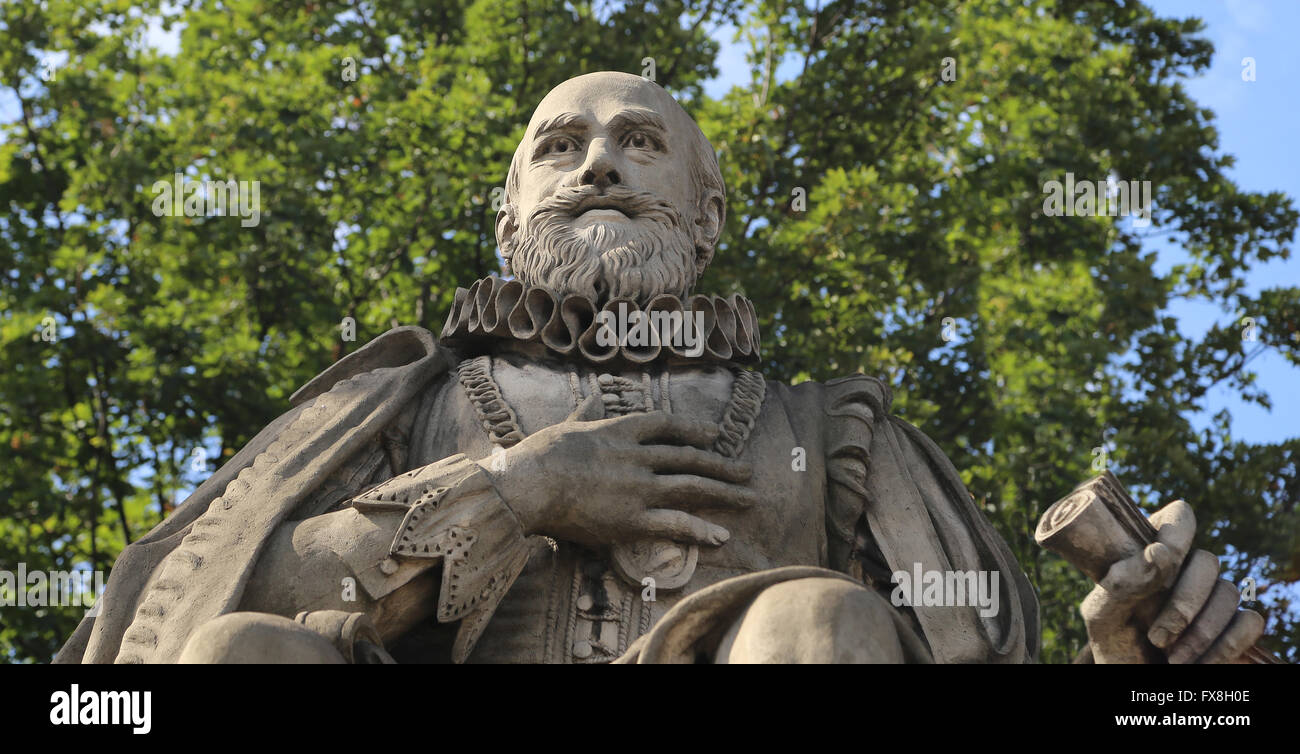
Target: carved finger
pixel 1244 630
pixel 1175 528
pixel 1188 596
pixel 681 527
pixel 1208 624
pixel 689 492
pixel 663 427
pixel 1102 612
pixel 674 458
pixel 590 409
pixel 1131 579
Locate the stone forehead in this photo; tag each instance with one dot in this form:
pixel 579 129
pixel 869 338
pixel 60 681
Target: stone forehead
pixel 603 94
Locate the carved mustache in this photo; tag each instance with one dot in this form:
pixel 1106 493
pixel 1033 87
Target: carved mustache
pixel 573 201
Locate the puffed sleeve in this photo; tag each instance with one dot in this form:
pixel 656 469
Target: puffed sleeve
pixel 852 405
pixel 896 503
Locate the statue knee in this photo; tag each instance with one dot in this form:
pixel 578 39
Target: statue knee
pixel 257 638
pixel 814 620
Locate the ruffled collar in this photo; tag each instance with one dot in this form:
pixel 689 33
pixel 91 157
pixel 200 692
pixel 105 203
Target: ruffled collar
pixel 496 309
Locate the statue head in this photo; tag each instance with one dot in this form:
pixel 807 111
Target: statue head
pixel 613 192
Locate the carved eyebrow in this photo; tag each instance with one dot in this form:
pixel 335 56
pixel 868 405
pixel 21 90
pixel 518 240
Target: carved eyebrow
pixel 629 119
pixel 572 122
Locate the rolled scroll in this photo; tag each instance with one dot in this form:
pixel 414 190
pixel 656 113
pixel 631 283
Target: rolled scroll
pixel 1098 525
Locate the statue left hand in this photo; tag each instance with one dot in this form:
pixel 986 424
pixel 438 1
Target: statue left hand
pixel 1199 622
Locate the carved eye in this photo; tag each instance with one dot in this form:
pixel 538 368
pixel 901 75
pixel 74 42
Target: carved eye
pixel 560 145
pixel 639 140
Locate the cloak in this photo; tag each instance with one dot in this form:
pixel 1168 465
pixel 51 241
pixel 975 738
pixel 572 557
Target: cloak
pixel 210 543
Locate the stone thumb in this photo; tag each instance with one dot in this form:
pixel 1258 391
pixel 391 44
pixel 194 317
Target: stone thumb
pixel 591 409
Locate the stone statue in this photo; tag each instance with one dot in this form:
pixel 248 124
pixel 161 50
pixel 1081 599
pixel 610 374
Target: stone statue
pixel 536 485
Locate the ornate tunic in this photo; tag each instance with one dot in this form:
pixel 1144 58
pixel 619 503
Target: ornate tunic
pixel 587 605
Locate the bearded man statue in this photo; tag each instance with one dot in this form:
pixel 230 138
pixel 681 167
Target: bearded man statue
pixel 527 488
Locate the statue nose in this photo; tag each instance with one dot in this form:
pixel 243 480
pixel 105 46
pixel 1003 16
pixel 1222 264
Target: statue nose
pixel 600 177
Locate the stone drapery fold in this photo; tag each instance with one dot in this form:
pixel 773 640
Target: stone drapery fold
pixel 194 565
pixel 891 483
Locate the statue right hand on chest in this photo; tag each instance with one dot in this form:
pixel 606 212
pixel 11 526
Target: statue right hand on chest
pixel 640 476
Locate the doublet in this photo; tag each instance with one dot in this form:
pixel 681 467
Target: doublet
pixel 539 600
pixel 572 603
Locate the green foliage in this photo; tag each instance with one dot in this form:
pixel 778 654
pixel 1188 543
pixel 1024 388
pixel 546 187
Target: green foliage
pixel 924 201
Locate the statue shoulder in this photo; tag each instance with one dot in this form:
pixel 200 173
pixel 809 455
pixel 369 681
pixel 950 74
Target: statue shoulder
pixel 856 393
pixel 843 411
pixel 852 409
pixel 396 348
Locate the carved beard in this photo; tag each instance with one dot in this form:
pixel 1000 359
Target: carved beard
pixel 639 260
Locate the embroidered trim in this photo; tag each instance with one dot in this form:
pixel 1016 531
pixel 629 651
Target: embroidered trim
pixel 747 393
pixel 493 411
pixel 623 395
pixel 397 493
pixel 494 308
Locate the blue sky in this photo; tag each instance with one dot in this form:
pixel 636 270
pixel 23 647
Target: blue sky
pixel 1257 122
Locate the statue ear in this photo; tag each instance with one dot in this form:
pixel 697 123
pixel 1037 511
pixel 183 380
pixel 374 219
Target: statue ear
pixel 507 227
pixel 708 228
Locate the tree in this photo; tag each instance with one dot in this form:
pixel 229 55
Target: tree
pixel 918 135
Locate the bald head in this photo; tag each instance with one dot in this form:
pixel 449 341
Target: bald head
pixel 612 160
